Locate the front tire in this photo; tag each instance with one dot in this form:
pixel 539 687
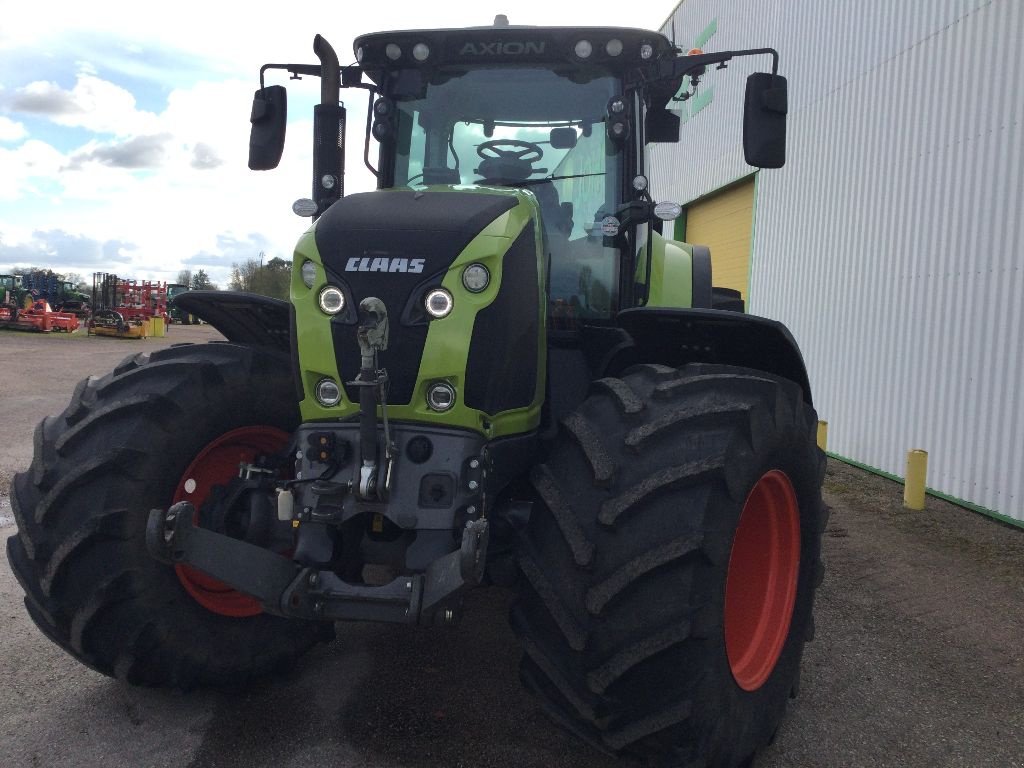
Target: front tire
pixel 671 561
pixel 121 448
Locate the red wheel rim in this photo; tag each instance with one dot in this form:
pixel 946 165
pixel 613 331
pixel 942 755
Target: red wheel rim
pixel 216 465
pixel 760 588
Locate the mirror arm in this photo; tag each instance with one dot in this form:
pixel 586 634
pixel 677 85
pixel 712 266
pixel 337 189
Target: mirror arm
pixel 295 70
pixel 682 65
pixel 310 70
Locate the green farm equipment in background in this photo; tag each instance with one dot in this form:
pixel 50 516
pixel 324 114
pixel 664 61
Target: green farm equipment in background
pixel 174 290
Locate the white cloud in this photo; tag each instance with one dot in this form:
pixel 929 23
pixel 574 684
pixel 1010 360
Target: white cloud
pixel 59 250
pixel 25 168
pixel 93 103
pixel 11 131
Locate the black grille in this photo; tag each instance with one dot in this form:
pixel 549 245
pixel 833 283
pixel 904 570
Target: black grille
pixel 501 372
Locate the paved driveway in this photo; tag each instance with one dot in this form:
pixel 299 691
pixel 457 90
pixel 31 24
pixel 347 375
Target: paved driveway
pixel 918 661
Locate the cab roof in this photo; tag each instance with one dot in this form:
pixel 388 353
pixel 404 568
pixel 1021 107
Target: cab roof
pixel 615 48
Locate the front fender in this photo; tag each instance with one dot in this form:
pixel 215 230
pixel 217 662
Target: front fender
pixel 678 336
pixel 244 318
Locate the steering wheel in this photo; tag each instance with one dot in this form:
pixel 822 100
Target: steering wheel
pixel 510 149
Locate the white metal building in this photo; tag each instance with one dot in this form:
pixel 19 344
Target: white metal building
pixel 892 243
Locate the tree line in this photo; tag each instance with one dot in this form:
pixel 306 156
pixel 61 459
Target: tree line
pixel 252 275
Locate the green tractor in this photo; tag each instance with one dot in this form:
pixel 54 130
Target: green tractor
pixel 495 368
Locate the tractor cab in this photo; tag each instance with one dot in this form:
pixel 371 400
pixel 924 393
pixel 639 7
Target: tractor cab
pixel 563 112
pixel 545 110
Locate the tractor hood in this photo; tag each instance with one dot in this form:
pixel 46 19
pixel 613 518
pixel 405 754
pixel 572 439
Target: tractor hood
pixel 396 245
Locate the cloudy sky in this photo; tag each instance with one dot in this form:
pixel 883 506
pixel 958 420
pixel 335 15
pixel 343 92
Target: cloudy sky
pixel 124 125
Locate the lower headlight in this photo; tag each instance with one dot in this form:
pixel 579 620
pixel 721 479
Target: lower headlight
pixel 440 396
pixel 476 277
pixel 328 393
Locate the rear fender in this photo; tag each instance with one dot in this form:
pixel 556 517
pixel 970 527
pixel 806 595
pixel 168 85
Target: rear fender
pixel 675 337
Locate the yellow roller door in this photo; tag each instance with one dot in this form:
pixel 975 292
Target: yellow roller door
pixel 723 222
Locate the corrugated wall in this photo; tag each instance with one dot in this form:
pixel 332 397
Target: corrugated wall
pixel 891 243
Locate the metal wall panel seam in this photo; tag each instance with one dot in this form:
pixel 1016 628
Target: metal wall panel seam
pixel 1015 204
pixel 950 389
pixel 882 325
pixel 1007 414
pixel 917 300
pixel 972 145
pixel 988 265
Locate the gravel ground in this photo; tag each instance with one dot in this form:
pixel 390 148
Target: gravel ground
pixel 918 660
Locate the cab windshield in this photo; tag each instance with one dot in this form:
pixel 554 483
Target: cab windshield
pixel 537 129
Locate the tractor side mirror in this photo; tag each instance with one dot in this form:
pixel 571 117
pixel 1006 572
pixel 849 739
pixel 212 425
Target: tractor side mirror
pixel 269 117
pixel 764 121
pixel 662 126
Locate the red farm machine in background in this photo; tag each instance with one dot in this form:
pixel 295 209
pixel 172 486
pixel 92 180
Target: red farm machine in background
pixel 24 307
pixel 128 308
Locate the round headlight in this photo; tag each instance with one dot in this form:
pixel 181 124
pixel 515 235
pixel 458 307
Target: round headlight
pixel 616 106
pixel 421 51
pixel 584 49
pixel 304 207
pixel 438 303
pixel 646 51
pixel 475 277
pixel 440 396
pixel 610 226
pixel 640 183
pixel 668 211
pixel 613 47
pixel 327 181
pixel 381 130
pixel 332 300
pixel 328 392
pixel 617 129
pixel 393 52
pixel 359 54
pixel 308 272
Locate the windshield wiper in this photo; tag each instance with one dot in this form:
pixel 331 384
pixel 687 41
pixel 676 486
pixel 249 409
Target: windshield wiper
pixel 532 182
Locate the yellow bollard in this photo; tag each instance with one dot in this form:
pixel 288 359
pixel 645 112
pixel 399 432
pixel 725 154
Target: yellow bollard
pixel 917 472
pixel 822 434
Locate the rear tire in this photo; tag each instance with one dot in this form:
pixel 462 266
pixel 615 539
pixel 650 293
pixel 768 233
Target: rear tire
pixel 119 450
pixel 632 639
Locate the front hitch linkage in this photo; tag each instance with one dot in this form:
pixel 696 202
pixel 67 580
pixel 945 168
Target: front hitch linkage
pixel 285 588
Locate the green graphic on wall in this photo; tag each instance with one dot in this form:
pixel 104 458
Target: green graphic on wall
pixel 706 92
